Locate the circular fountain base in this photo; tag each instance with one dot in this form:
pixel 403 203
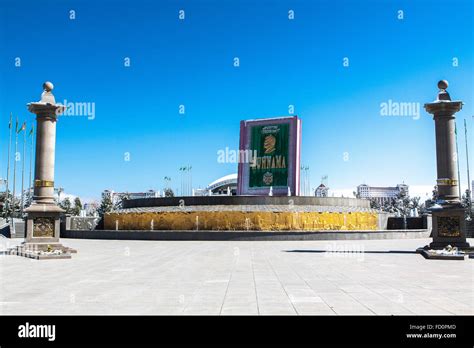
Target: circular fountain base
pixel 244 213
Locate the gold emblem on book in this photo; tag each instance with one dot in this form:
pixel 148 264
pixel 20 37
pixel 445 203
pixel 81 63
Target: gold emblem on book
pixel 269 144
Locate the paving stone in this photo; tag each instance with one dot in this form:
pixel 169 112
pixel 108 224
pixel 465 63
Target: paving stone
pixel 264 277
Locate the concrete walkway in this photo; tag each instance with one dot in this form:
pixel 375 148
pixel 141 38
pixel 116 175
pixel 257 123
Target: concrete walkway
pixel 376 277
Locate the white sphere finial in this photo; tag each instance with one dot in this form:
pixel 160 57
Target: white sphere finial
pixel 48 86
pixel 443 84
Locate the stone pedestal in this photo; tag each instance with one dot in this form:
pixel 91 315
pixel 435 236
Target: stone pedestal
pixel 43 228
pixel 449 228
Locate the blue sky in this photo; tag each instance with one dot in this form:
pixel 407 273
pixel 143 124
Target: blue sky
pixel 282 62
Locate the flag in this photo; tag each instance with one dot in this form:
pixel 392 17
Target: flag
pixel 23 127
pixel 31 131
pixel 10 123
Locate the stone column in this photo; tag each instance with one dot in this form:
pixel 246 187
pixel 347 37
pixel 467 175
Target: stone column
pixel 46 112
pixel 43 216
pixel 443 110
pixel 449 224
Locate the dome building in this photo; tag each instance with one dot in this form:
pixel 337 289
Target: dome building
pixel 222 186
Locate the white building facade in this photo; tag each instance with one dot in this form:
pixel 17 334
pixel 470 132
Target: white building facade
pixel 381 194
pixel 116 196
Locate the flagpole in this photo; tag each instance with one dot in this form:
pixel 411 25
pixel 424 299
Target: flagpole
pixel 305 181
pixel 309 182
pixel 467 160
pixel 14 168
pixel 23 172
pixel 302 180
pixel 457 160
pixel 8 165
pixel 187 180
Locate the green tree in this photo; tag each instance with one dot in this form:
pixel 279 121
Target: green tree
pixel 66 205
pixel 402 205
pixel 6 207
pixel 121 199
pixel 169 192
pixel 106 206
pixel 11 206
pixel 77 206
pixel 374 204
pixel 28 198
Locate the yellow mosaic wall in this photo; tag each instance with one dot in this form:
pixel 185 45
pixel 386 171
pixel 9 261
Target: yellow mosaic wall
pixel 235 220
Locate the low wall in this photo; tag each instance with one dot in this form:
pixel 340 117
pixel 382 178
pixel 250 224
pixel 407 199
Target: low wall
pixel 244 235
pixel 413 223
pixel 245 200
pixel 79 222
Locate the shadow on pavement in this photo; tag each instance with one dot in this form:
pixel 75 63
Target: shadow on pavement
pixel 357 251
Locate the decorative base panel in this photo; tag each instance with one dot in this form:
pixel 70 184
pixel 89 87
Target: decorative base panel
pixel 241 221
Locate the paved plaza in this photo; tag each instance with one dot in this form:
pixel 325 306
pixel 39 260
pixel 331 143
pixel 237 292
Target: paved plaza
pixel 377 277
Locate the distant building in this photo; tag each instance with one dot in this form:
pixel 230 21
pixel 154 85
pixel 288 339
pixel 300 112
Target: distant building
pixel 322 191
pixel 380 194
pixel 222 186
pixel 116 196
